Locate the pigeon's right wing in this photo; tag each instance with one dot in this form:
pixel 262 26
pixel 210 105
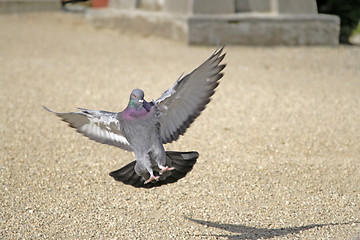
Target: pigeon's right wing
pixel 181 104
pixel 100 126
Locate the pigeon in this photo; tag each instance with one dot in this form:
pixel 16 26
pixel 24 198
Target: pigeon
pixel 144 127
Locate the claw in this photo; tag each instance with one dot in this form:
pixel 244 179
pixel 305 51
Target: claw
pixel 151 178
pixel 165 169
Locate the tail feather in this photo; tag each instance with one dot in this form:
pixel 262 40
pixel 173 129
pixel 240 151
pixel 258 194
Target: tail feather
pixel 183 163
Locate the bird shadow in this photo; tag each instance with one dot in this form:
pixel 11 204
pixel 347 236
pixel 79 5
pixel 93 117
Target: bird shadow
pixel 246 232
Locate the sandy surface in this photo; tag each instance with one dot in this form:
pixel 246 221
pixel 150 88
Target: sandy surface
pixel 279 144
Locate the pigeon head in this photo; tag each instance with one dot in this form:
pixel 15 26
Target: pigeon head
pixel 136 98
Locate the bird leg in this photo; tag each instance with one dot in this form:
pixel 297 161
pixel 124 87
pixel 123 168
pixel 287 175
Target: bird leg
pixel 151 178
pixel 165 169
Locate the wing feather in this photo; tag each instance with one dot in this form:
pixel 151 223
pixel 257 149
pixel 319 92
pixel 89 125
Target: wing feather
pixel 100 126
pixel 183 102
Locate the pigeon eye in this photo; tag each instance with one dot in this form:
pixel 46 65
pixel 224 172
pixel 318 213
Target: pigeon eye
pixel 134 95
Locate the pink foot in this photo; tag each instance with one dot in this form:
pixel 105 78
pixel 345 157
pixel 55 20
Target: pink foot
pixel 165 169
pixel 152 177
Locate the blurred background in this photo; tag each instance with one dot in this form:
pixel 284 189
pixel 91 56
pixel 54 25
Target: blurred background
pixel 291 10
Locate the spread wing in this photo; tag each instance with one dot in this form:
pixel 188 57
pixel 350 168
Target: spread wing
pixel 100 126
pixel 181 104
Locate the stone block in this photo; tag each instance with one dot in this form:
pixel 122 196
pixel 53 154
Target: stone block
pixel 243 29
pixel 264 30
pixel 123 4
pixel 213 7
pixel 252 6
pixel 177 7
pixel 150 5
pixel 193 7
pixel 294 6
pixel 246 22
pixel 140 22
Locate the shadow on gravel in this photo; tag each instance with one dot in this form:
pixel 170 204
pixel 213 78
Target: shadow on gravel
pixel 246 232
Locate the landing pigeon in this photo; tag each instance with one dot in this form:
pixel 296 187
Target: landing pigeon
pixel 143 127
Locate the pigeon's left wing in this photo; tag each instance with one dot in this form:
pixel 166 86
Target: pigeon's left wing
pixel 183 102
pixel 100 126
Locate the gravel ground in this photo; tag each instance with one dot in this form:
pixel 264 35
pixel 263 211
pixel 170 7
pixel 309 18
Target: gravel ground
pixel 279 144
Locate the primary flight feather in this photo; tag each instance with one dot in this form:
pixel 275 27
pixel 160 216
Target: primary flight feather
pixel 143 127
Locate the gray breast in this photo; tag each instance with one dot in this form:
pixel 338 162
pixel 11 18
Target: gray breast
pixel 142 133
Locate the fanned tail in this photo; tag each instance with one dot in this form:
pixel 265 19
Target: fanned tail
pixel 183 162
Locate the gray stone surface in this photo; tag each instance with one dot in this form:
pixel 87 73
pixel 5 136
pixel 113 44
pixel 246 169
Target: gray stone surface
pixel 294 6
pixel 252 6
pixel 123 4
pixel 264 29
pixel 177 7
pixel 140 22
pixel 245 29
pixel 212 7
pixel 247 22
pixel 150 5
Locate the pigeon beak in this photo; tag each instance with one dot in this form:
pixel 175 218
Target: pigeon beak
pixel 141 101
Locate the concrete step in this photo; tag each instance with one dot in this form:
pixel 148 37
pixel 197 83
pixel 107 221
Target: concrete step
pixel 262 29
